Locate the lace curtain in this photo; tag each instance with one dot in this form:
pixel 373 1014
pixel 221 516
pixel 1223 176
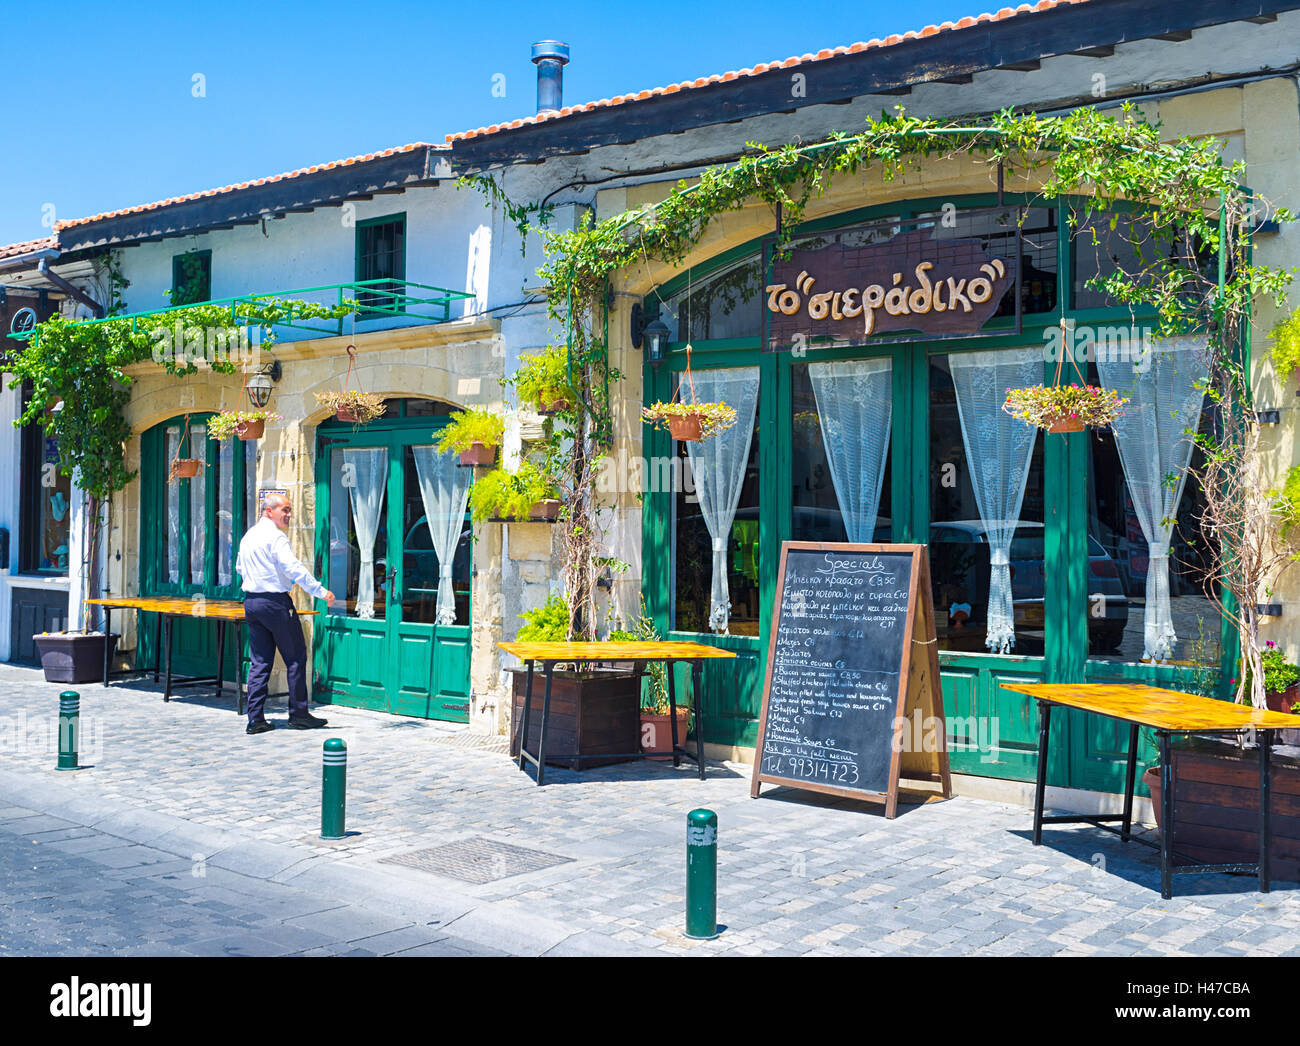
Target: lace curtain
pixel 998 451
pixel 444 490
pixel 718 466
pixel 854 398
pixel 195 447
pixel 365 475
pixel 173 513
pixel 1155 450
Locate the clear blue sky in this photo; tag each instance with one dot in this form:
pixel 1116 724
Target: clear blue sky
pixel 101 111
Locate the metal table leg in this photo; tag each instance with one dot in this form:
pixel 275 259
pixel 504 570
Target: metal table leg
pixel 697 689
pixel 1129 781
pixel 523 725
pixel 1166 816
pixel 239 667
pixel 167 690
pixel 1044 732
pixel 157 645
pixel 1265 801
pixel 108 629
pixel 672 710
pixel 220 673
pixel 546 716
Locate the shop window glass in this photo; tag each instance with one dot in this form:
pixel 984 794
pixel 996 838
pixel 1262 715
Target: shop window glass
pixel 996 230
pixel 47 504
pixel 817 511
pixel 225 482
pixel 693 546
pixel 725 304
pixel 984 461
pixel 1125 512
pixel 1129 247
pixel 381 255
pixel 251 513
pixel 358 539
pixel 421 567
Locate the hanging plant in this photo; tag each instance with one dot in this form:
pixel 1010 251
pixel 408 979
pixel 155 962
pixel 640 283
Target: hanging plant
pixel 183 468
pixel 474 435
pixel 690 422
pixel 352 405
pixel 246 424
pixel 504 496
pixel 1065 408
pixel 807 422
pixel 542 381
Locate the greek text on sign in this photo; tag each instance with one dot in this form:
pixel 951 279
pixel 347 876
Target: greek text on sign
pixel 912 282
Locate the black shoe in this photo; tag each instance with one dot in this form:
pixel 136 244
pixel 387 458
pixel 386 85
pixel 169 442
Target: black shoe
pixel 259 726
pixel 306 722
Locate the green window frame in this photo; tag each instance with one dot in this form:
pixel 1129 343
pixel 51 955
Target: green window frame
pixel 381 256
pixel 1066 461
pixel 154 497
pixel 191 278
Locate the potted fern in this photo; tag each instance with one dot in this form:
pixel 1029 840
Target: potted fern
pixel 246 424
pixel 502 496
pixel 474 435
pixel 542 380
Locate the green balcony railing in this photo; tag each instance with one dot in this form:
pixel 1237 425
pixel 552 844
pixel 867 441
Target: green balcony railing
pixel 374 300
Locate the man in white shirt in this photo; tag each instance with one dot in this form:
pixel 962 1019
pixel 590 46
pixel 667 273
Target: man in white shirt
pixel 269 569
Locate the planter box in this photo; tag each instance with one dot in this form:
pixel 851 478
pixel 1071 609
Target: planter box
pixel 73 657
pixel 1216 805
pixel 591 715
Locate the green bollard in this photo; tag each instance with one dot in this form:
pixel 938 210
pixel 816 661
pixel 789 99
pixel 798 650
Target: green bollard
pixel 702 875
pixel 69 714
pixel 334 787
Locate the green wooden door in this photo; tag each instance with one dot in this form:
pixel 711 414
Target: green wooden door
pixel 381 645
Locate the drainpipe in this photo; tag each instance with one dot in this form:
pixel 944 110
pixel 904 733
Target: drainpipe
pixel 75 293
pixel 550 57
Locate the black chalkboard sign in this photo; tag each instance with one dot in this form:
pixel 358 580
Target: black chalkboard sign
pixel 851 696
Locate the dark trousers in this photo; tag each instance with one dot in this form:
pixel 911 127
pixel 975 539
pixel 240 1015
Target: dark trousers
pixel 273 625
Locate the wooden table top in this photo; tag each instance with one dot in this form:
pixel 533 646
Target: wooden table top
pixel 179 606
pixel 669 650
pixel 1154 707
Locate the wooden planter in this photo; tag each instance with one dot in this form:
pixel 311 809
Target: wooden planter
pixel 592 716
pixel 478 455
pixel 251 429
pixel 686 427
pixel 1216 805
pixel 657 732
pixel 546 511
pixel 74 657
pixel 185 468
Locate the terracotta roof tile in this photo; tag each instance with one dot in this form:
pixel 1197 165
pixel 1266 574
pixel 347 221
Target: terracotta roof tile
pixel 763 67
pixel 235 187
pixel 13 250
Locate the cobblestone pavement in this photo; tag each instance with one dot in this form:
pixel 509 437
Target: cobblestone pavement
pixel 798 873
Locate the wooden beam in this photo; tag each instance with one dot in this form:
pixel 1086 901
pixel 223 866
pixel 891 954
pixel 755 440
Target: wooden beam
pixel 1261 19
pixel 1022 67
pixel 905 89
pixel 1105 51
pixel 1176 36
pixel 956 78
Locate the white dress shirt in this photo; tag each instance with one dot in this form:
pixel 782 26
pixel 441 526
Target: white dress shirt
pixel 266 563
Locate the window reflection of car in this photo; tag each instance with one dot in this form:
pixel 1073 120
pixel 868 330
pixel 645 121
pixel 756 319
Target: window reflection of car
pixel 961 572
pixel 420 570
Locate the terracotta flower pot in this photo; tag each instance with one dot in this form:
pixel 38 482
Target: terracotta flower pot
pixel 478 454
pixel 251 429
pixel 554 407
pixel 686 427
pixel 1281 701
pixel 185 468
pixel 657 732
pixel 1151 778
pixel 1064 424
pixel 347 415
pixel 547 510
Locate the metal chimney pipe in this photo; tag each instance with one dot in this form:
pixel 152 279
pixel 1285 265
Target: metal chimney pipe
pixel 550 57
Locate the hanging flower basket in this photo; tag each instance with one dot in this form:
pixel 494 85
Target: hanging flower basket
pixel 690 422
pixel 1065 408
pixel 246 424
pixel 360 408
pixel 185 468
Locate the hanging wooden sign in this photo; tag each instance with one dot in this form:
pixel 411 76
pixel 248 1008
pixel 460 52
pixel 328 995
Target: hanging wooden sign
pixel 845 294
pixel 851 699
